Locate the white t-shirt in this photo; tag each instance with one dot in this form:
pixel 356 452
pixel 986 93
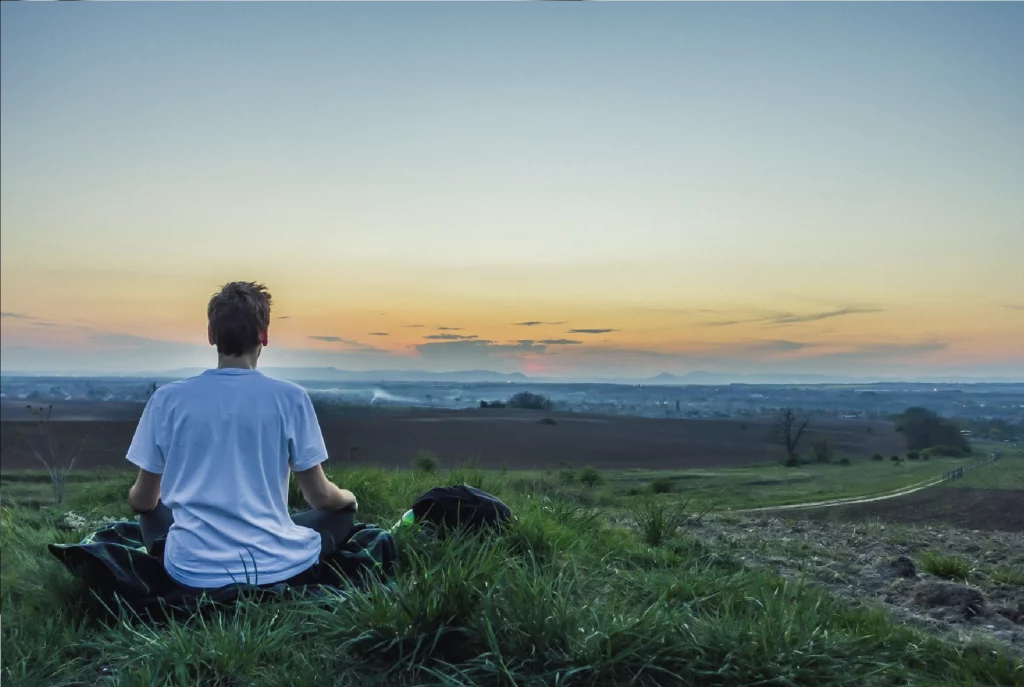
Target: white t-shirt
pixel 224 442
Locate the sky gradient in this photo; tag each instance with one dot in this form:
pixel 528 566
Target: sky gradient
pixel 827 188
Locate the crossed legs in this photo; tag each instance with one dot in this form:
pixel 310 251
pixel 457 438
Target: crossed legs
pixel 334 526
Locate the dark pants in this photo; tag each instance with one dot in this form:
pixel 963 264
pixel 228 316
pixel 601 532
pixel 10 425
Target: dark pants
pixel 334 527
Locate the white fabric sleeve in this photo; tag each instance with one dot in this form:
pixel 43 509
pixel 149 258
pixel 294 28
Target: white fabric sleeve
pixel 306 447
pixel 146 451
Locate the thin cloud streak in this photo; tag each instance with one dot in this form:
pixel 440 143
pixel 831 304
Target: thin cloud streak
pixel 451 337
pixel 789 318
pixel 784 318
pixel 779 345
pixel 591 331
pixel 354 346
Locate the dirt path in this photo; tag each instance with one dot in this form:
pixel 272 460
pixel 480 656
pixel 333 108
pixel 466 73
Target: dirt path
pixel 849 500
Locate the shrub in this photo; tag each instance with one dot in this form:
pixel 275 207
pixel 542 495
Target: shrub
pixel 662 485
pixel 844 461
pixel 591 477
pixel 913 455
pixel 426 461
pixel 658 521
pixel 894 459
pixel 567 476
pixel 547 421
pixel 947 567
pixel 878 457
pixel 527 401
pixel 51 452
pixel 822 451
pixel 792 462
pixel 923 428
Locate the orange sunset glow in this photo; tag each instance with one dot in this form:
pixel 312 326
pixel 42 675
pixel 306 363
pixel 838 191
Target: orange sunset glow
pixel 500 199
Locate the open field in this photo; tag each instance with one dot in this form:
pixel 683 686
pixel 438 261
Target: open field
pixel 568 595
pixel 720 489
pixel 499 438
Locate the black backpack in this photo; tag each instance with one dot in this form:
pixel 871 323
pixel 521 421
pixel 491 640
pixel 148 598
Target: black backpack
pixel 460 506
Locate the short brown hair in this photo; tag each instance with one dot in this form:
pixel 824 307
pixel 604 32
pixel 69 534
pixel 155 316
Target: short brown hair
pixel 238 314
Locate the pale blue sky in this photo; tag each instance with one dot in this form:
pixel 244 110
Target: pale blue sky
pixel 586 161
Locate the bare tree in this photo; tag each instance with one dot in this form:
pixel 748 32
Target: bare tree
pixel 790 427
pixel 58 459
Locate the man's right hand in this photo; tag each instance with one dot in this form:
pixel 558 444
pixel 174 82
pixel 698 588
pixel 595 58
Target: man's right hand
pixel 349 498
pixel 321 493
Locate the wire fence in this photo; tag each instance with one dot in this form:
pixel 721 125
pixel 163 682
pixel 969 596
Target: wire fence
pixel 959 473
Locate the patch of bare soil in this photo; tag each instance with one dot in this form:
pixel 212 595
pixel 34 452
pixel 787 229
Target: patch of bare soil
pixel 881 563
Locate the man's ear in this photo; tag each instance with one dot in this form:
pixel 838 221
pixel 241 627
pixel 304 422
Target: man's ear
pixel 263 338
pixel 209 334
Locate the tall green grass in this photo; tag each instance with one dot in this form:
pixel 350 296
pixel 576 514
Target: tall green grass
pixel 560 598
pixel 947 567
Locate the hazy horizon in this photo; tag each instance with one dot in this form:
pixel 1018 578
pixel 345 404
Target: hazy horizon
pixel 563 190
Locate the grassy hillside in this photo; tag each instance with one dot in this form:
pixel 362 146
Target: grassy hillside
pixel 766 484
pixel 561 598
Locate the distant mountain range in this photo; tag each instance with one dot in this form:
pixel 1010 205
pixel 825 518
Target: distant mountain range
pixel 332 374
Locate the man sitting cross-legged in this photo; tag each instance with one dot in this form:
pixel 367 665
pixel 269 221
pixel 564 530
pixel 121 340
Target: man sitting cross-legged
pixel 215 452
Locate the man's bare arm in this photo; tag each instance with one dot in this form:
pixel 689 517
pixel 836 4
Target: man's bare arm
pixel 145 493
pixel 321 493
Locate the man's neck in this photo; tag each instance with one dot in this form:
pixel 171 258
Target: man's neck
pixel 237 362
